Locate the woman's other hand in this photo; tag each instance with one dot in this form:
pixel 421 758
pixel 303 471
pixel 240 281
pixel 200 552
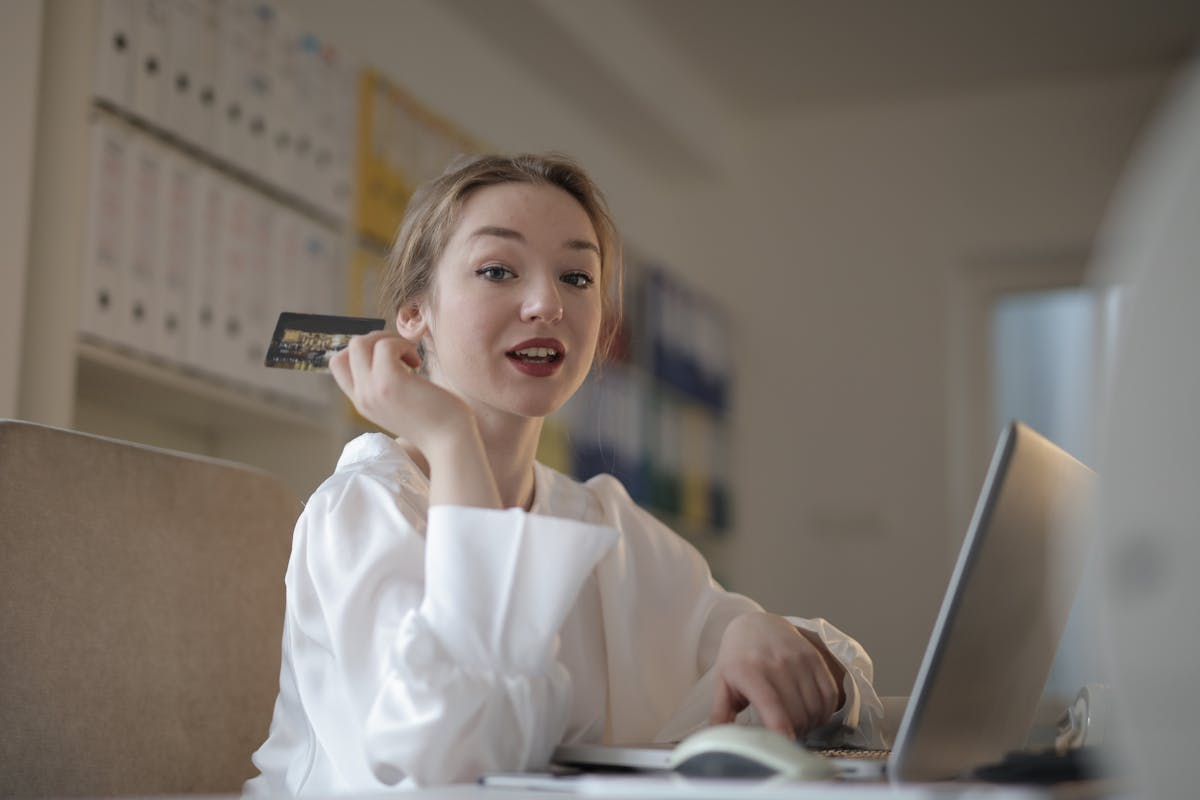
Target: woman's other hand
pixel 786 674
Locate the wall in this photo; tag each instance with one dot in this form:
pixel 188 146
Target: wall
pixel 864 224
pixel 20 48
pixel 848 233
pixel 840 242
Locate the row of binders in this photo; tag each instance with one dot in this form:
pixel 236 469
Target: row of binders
pixel 190 267
pixel 668 450
pixel 687 337
pixel 240 80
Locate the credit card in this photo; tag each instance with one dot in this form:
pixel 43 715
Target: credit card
pixel 307 341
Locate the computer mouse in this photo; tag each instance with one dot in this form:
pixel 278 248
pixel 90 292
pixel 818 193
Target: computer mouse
pixel 744 751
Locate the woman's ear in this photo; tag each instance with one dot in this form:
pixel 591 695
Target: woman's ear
pixel 411 322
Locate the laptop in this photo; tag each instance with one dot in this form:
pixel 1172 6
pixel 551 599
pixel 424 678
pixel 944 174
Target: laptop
pixel 996 635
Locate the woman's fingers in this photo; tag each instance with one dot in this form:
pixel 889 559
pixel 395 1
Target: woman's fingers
pixel 394 351
pixel 764 696
pixel 725 704
pixel 795 701
pixel 766 663
pixel 376 371
pixel 361 353
pixel 775 696
pixel 409 355
pixel 816 707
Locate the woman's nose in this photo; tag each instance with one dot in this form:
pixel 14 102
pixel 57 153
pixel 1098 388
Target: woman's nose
pixel 543 303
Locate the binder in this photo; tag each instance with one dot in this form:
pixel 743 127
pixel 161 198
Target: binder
pixel 323 286
pixel 334 157
pixel 285 267
pixel 259 311
pixel 202 124
pixel 308 93
pixel 104 259
pixel 621 426
pixel 259 18
pixel 114 52
pixel 177 252
pixel 232 267
pixel 696 468
pixel 720 491
pixel 233 33
pixel 144 203
pixel 334 85
pixel 288 268
pixel 150 53
pixel 285 107
pixel 666 457
pixel 200 337
pixel 554 445
pixel 184 25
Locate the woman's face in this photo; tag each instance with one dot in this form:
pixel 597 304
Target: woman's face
pixel 513 317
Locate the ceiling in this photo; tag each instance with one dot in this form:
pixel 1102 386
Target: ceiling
pixel 766 56
pixel 717 63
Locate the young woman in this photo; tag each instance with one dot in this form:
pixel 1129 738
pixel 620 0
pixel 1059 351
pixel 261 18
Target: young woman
pixel 454 607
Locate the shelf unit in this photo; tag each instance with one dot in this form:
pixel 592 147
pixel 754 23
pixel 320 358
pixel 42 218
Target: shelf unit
pixel 75 381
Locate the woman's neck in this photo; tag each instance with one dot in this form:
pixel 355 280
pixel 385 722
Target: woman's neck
pixel 511 446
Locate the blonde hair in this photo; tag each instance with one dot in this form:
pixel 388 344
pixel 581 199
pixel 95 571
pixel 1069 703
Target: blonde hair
pixel 434 209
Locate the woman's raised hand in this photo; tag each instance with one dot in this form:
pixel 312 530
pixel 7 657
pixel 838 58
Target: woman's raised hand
pixel 790 679
pixel 377 373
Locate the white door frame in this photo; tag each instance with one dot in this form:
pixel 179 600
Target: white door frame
pixel 974 288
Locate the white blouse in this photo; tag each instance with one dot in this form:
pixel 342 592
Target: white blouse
pixel 432 645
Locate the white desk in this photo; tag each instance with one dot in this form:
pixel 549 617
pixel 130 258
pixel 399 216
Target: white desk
pixel 625 788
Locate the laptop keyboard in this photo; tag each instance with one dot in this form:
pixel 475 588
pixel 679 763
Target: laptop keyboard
pixel 853 752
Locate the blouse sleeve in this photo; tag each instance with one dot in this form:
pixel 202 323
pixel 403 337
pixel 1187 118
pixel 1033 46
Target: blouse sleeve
pixel 433 659
pixel 669 584
pixel 857 722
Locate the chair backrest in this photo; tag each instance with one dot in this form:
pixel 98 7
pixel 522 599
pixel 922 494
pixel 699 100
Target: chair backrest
pixel 141 610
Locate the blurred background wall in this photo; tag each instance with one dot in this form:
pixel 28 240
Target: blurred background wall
pixel 856 183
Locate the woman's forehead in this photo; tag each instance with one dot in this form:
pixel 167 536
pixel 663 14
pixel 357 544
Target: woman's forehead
pixel 527 208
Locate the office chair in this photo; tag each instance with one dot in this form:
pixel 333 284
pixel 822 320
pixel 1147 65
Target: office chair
pixel 141 609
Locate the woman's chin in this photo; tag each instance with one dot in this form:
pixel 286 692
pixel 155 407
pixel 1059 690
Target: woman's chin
pixel 521 407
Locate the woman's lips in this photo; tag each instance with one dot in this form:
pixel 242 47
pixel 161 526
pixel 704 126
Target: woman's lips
pixel 538 369
pixel 537 357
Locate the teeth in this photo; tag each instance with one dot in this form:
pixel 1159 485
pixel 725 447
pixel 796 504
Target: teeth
pixel 537 352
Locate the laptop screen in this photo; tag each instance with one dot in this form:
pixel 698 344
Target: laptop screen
pixel 1003 614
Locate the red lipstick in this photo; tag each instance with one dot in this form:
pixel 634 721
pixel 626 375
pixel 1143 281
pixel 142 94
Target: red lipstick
pixel 539 358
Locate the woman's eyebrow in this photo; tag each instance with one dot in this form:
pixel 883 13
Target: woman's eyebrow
pixel 582 244
pixel 496 230
pixel 509 233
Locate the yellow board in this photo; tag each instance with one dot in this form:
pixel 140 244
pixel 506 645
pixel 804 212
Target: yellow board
pixel 554 448
pixel 401 144
pixel 695 480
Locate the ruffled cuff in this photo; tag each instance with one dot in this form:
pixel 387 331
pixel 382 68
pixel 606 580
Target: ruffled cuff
pixel 856 722
pixel 499 584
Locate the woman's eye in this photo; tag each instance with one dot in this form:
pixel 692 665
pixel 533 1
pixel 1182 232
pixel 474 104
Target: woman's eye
pixel 580 280
pixel 494 272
